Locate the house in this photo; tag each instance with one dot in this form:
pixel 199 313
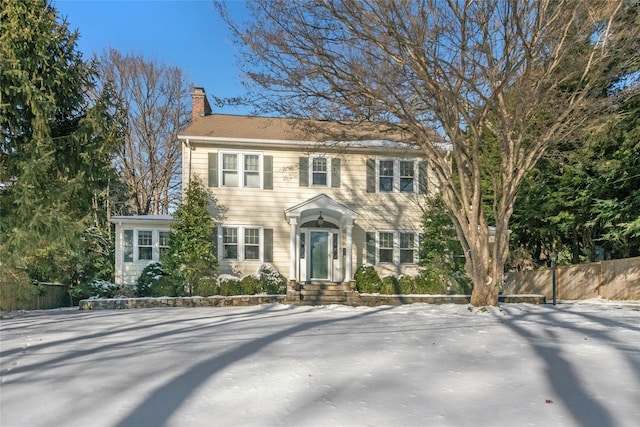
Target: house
pixel 314 205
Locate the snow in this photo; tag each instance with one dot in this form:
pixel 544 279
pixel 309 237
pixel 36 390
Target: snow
pixel 280 365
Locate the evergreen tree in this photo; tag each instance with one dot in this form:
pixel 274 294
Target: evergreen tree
pixel 58 138
pixel 192 251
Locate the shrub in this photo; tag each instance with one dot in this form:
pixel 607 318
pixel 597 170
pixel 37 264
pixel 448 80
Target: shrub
pixel 228 285
pixel 16 290
pixel 155 282
pixel 271 280
pixel 367 279
pixel 94 289
pixel 430 282
pixel 250 285
pixel 407 285
pixel 389 285
pixel 207 286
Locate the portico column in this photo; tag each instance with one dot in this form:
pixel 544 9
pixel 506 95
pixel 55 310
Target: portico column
pixel 348 260
pixel 292 248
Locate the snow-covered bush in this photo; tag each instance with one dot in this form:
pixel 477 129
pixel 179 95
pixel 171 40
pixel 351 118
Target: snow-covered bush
pixel 155 282
pixel 272 281
pixel 228 285
pixel 94 289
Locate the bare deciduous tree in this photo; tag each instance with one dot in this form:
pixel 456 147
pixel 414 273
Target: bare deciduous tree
pixel 156 99
pixel 497 82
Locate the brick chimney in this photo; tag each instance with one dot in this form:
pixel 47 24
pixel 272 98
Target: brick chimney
pixel 199 104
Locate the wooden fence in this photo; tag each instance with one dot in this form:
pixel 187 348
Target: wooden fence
pixel 616 279
pixel 42 296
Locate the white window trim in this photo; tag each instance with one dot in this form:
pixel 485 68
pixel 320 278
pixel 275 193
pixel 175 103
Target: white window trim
pixel 241 170
pixel 396 247
pixel 329 170
pixel 396 174
pixel 240 244
pixel 155 244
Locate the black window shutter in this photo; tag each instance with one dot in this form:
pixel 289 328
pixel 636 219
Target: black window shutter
pixel 423 180
pixel 267 173
pixel 371 176
pixel 335 172
pixel 268 245
pixel 213 169
pixel 304 171
pixel 371 247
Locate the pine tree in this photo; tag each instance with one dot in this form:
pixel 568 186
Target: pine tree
pixel 192 251
pixel 58 138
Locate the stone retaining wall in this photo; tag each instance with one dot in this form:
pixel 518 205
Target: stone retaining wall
pixel 373 300
pixel 217 301
pixel 353 299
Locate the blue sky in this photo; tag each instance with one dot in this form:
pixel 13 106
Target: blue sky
pixel 185 33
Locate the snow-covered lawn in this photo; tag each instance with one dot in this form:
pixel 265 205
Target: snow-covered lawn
pixel 278 365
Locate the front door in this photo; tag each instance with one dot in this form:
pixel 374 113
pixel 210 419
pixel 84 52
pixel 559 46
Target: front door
pixel 319 255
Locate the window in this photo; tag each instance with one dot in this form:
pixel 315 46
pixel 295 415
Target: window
pixel 127 244
pixel 252 170
pixel 229 170
pixel 385 247
pixel 241 170
pixel 319 171
pixel 145 244
pixel 406 176
pixel 395 175
pixel 230 242
pixel 163 243
pixel 251 243
pixel 394 247
pixel 244 243
pixel 407 248
pixel 386 175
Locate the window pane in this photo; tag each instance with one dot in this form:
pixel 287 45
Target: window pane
pixel 230 170
pixel 230 162
pixel 406 240
pixel 128 246
pixel 319 164
pixel 230 179
pixel 252 252
pixel 144 252
pixel 163 242
pixel 406 256
pixel 386 175
pixel 406 176
pixel 251 162
pixel 230 235
pixel 163 237
pixel 386 255
pixel 145 238
pixel 386 184
pixel 252 236
pixel 230 243
pixel 319 169
pixel 230 252
pixel 252 179
pixel 386 240
pixel 319 178
pixel 385 243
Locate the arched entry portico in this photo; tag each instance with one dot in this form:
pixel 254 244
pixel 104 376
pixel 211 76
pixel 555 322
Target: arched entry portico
pixel 321 240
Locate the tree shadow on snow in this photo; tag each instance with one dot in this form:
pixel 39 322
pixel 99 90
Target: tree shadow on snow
pixel 561 375
pixel 156 409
